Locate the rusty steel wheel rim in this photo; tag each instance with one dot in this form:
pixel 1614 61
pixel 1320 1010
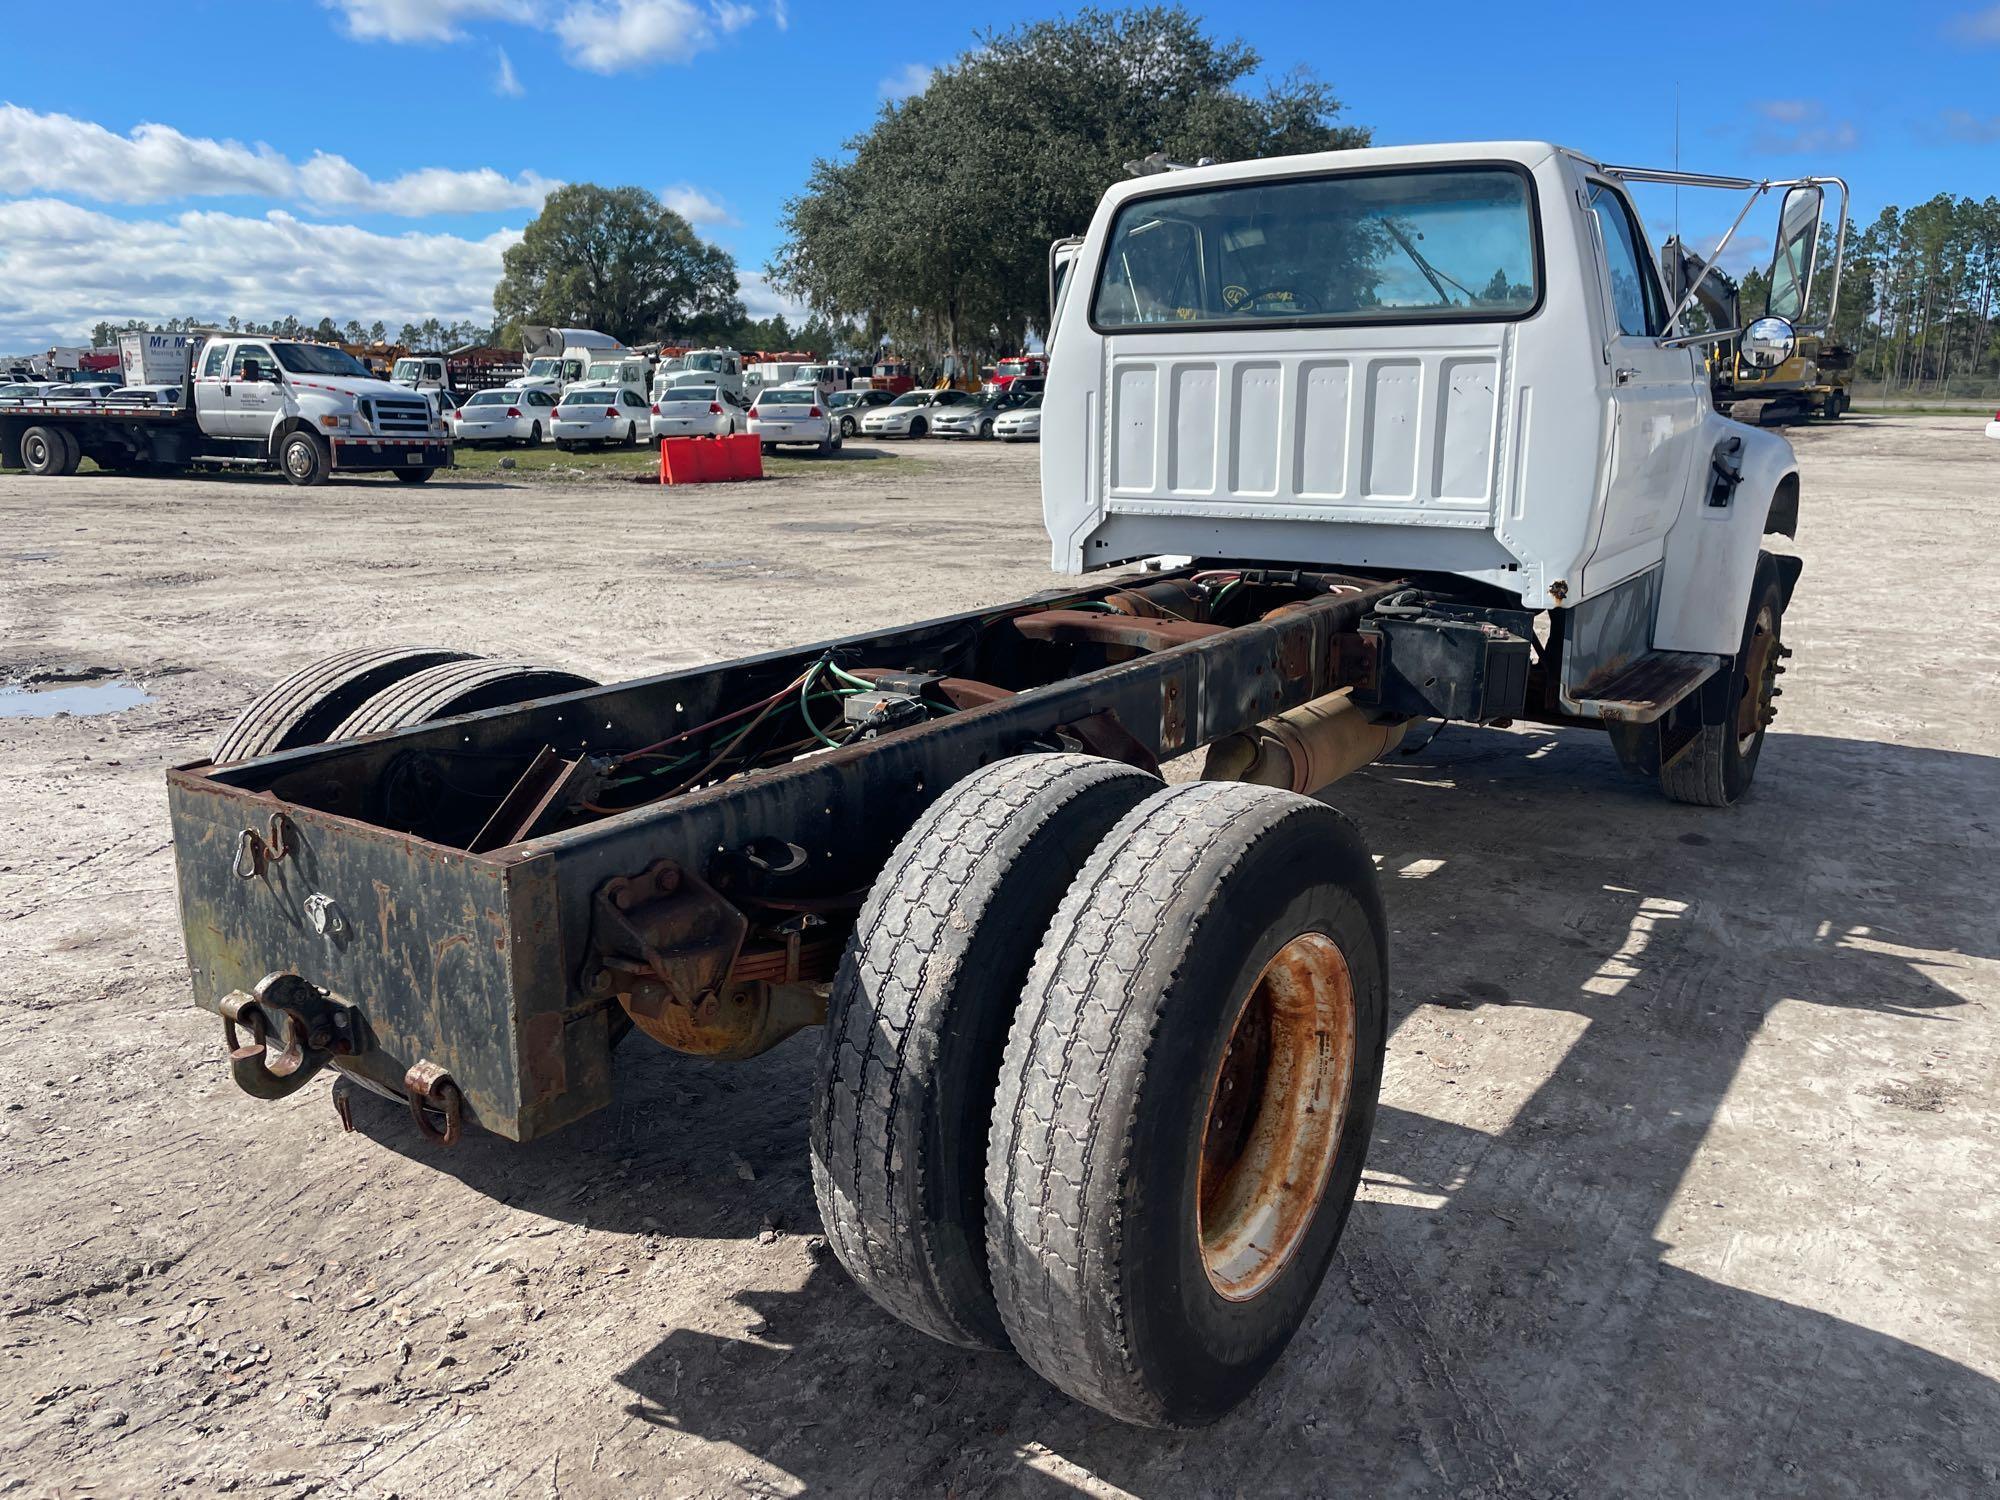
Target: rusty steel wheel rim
pixel 1275 1109
pixel 1759 677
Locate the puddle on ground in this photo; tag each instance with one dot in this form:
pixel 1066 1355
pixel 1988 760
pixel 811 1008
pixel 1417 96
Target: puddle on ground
pixel 81 699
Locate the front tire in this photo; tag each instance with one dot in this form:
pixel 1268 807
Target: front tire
pixel 415 476
pixel 986 428
pixel 918 427
pixel 918 1020
pixel 303 458
pixel 1186 1099
pixel 1717 769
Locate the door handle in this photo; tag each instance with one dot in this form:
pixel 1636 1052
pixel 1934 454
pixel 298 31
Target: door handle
pixel 1625 375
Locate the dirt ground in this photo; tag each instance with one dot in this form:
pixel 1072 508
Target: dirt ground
pixel 1683 1183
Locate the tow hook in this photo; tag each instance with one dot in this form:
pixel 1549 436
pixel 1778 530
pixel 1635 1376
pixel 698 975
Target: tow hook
pixel 431 1092
pixel 294 1027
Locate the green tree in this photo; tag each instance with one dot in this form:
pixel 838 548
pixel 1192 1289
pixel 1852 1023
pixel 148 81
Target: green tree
pixel 935 227
pixel 617 260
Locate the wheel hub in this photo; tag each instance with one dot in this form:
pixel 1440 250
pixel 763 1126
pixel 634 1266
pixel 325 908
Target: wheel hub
pixel 1760 660
pixel 1275 1109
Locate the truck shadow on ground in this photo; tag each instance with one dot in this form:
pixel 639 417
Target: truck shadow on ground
pixel 1506 1315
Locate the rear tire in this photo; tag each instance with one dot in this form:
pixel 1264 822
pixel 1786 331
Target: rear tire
pixel 304 708
pixel 918 1021
pixel 415 476
pixel 455 687
pixel 1186 1100
pixel 303 458
pixel 535 435
pixel 44 451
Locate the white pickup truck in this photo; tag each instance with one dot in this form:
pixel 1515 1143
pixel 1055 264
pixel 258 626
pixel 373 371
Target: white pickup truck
pixel 307 410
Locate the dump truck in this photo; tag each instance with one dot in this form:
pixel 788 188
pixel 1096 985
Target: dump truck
pixel 1333 445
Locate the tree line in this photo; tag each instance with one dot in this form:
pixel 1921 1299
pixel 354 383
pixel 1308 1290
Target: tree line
pixel 1926 284
pixel 429 334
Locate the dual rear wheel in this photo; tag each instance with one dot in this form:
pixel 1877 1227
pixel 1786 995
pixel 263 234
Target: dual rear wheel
pixel 1128 1153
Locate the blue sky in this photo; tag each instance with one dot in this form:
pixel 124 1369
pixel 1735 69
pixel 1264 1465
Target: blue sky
pixel 372 158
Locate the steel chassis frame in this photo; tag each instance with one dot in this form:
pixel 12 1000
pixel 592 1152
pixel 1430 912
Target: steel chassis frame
pixel 338 920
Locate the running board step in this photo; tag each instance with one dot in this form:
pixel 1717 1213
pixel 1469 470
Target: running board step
pixel 1644 690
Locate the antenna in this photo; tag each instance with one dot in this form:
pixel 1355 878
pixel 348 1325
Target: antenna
pixel 1677 157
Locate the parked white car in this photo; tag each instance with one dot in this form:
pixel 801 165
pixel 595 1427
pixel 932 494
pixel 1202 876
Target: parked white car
pixel 1021 425
pixel 146 395
pixel 849 407
pixel 695 411
pixel 600 414
pixel 911 414
pixel 81 390
pixel 794 414
pixel 508 414
pixel 27 392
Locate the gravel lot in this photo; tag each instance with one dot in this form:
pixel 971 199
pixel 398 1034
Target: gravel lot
pixel 1682 1186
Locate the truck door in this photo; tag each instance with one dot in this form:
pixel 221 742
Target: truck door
pixel 1654 395
pixel 252 394
pixel 214 392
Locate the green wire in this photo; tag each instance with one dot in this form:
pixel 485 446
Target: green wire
pixel 805 710
pixel 861 684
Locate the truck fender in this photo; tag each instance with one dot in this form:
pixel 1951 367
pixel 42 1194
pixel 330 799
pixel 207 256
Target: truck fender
pixel 285 429
pixel 1748 483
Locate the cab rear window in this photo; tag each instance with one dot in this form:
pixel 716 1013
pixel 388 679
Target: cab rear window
pixel 1413 246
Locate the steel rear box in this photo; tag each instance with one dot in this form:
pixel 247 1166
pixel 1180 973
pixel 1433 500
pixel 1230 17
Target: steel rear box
pixel 453 958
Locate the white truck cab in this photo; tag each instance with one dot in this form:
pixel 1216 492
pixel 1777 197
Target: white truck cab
pixel 1449 359
pixel 721 368
pixel 255 393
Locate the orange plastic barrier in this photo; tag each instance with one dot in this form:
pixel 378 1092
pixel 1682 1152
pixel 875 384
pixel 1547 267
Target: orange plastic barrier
pixel 703 460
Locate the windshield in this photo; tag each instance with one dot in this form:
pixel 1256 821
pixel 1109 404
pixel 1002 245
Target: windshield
pixel 318 359
pixel 494 398
pixel 707 362
pixel 1012 367
pixel 1033 403
pixel 788 398
pixel 689 394
pixel 1412 245
pixel 545 369
pixel 913 398
pixel 613 371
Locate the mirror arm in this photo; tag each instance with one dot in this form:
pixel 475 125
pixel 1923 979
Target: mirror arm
pixel 1708 263
pixel 1694 340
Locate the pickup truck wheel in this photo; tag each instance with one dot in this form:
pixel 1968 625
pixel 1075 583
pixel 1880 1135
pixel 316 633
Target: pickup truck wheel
pixel 918 1020
pixel 463 686
pixel 1716 770
pixel 1186 1100
pixel 415 476
pixel 306 707
pixel 303 457
pixel 44 451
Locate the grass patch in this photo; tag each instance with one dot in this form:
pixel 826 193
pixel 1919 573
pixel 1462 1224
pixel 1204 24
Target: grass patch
pixel 546 465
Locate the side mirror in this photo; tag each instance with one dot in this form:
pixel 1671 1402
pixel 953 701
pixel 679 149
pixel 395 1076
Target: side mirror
pixel 1797 254
pixel 1767 343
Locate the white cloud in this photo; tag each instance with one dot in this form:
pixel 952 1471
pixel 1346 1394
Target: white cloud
pixel 1973 130
pixel 416 20
pixel 781 16
pixel 911 78
pixel 760 299
pixel 603 36
pixel 1800 127
pixel 155 164
pixel 698 207
pixel 610 36
pixel 505 83
pixel 1979 26
pixel 62 268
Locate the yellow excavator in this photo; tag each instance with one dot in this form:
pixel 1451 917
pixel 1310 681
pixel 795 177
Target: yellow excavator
pixel 1812 383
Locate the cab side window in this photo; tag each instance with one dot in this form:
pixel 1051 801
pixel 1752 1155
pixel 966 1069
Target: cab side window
pixel 1635 290
pixel 211 365
pixel 251 358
